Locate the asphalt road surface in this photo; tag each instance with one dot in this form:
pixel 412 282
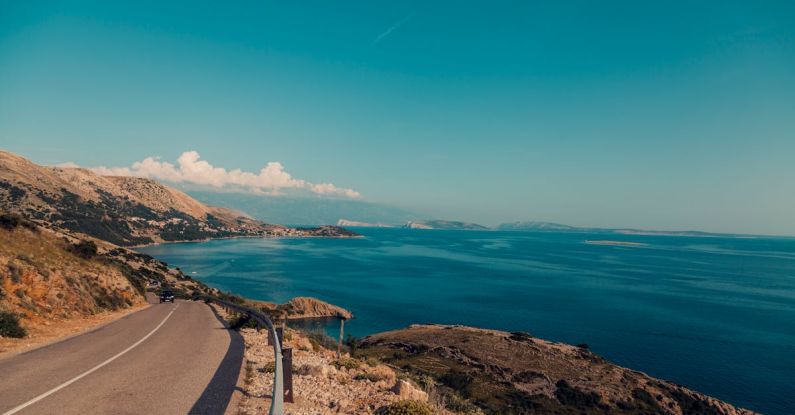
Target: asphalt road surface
pixel 166 359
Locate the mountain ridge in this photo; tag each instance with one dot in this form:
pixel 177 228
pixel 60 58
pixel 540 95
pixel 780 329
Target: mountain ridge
pixel 125 211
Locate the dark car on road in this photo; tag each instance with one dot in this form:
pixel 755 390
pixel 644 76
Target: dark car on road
pixel 166 296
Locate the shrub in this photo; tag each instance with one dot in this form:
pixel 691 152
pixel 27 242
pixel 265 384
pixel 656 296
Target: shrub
pixel 352 343
pixel 12 221
pixel 9 325
pixel 269 367
pixel 366 376
pixel 406 408
pixel 321 340
pixel 377 374
pixel 347 363
pixel 242 321
pixel 457 380
pixel 571 396
pixel 85 249
pixel 15 272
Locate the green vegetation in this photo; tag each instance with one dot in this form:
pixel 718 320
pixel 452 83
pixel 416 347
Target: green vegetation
pixel 406 408
pixel 9 325
pixel 85 249
pixel 352 343
pixel 320 340
pixel 570 396
pixel 15 272
pixel 269 367
pixel 249 373
pixel 12 221
pixel 347 363
pixel 242 321
pixel 471 372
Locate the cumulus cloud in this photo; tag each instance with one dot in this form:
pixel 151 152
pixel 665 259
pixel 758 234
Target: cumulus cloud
pixel 190 168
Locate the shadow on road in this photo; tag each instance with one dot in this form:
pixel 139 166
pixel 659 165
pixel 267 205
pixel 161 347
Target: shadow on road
pixel 219 392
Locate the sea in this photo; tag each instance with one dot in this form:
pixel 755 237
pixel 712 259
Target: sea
pixel 715 314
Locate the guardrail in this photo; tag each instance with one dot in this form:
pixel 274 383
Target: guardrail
pixel 277 401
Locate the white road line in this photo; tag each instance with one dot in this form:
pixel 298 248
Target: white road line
pixel 90 371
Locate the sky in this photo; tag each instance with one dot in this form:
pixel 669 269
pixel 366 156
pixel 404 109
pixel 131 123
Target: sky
pixel 656 115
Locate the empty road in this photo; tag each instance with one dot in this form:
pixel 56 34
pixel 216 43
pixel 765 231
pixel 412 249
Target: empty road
pixel 166 359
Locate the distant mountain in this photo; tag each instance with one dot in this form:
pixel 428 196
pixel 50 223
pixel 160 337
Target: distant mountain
pixel 306 210
pixel 124 211
pixel 353 223
pixel 531 226
pixel 446 225
pixel 535 226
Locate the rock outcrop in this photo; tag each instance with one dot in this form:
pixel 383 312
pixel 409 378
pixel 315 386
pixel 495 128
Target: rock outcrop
pixel 308 307
pixel 517 373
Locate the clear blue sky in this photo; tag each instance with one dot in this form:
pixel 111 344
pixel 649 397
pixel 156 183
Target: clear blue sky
pixel 666 115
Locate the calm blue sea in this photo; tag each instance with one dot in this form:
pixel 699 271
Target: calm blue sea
pixel 714 314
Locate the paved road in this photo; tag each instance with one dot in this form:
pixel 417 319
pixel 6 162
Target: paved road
pixel 166 359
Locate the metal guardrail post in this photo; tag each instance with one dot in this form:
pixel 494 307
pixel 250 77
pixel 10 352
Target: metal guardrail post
pixel 277 400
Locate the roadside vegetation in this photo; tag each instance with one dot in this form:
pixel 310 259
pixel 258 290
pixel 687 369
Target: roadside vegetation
pixel 406 408
pixel 9 325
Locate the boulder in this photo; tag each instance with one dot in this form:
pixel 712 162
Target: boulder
pixel 407 391
pixel 318 371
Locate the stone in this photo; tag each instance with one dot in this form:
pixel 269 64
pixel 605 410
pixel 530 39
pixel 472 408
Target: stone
pixel 318 371
pixel 407 391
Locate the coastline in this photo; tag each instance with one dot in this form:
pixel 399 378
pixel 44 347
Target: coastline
pixel 220 238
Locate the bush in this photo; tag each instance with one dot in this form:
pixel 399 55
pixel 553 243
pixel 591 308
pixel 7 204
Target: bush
pixel 321 340
pixel 85 249
pixel 9 326
pixel 12 221
pixel 242 321
pixel 406 408
pixel 15 272
pixel 269 367
pixel 352 343
pixel 571 396
pixel 347 363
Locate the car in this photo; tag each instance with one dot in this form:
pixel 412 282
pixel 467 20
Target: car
pixel 166 296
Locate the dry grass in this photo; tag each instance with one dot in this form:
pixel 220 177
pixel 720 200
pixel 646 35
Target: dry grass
pixel 43 281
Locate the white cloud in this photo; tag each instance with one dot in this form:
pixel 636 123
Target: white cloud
pixel 68 165
pixel 271 179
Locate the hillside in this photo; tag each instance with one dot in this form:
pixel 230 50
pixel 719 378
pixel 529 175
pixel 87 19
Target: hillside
pixel 44 278
pixel 124 211
pixel 47 276
pixel 514 373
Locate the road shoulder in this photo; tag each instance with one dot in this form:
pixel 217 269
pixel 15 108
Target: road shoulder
pixel 60 330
